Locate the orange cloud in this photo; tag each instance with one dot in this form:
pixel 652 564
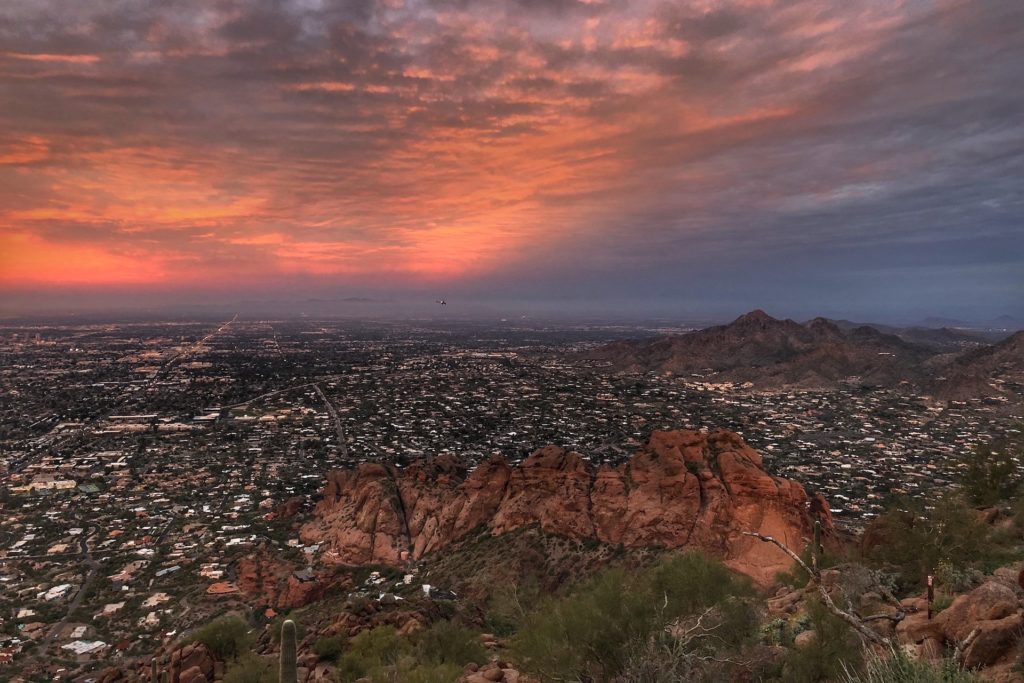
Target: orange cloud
pixel 430 147
pixel 33 148
pixel 44 57
pixel 26 259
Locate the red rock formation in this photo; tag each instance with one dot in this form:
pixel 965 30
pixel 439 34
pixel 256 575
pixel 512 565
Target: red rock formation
pixel 264 579
pixel 191 663
pixel 683 488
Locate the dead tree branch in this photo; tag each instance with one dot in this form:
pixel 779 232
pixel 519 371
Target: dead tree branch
pixel 856 623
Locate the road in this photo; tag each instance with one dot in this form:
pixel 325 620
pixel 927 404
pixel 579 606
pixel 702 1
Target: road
pixel 269 394
pixel 342 441
pixel 196 346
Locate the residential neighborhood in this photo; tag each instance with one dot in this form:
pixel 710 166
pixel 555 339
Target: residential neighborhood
pixel 136 498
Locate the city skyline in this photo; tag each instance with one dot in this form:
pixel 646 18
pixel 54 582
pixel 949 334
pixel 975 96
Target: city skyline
pixel 858 158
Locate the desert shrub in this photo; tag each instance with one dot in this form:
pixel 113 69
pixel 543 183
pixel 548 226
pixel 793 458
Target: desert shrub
pixel 957 579
pixel 329 647
pixel 509 602
pixel 914 540
pixel 896 667
pixel 991 475
pixel 225 638
pixel 383 656
pixel 592 633
pixel 417 672
pixel 834 650
pixel 447 642
pixel 251 668
pixel 369 652
pixel 691 649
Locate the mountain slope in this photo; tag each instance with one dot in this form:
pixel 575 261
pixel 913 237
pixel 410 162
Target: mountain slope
pixel 996 370
pixel 772 353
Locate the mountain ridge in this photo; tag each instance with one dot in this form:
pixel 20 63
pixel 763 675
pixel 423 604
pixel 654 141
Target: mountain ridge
pixel 769 353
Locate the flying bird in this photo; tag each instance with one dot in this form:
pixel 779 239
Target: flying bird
pixel 442 302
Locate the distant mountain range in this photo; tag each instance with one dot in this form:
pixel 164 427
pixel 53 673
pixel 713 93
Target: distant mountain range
pixel 821 353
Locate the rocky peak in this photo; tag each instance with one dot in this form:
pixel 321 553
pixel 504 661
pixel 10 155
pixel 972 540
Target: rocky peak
pixel 682 489
pixel 823 327
pixel 757 317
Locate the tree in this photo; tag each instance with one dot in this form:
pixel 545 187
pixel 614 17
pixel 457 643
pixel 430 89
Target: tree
pixel 225 638
pixel 992 473
pixel 834 648
pixel 914 539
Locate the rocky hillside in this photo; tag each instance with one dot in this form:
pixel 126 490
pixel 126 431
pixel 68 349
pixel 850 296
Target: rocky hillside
pixel 683 488
pixel 771 353
pixel 996 370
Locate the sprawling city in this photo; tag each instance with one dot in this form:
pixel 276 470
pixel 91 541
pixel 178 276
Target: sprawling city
pixel 141 463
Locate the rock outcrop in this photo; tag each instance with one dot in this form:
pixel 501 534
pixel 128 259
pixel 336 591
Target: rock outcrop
pixel 191 663
pixel 683 489
pixel 266 579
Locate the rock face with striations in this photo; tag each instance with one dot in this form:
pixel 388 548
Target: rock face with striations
pixel 683 489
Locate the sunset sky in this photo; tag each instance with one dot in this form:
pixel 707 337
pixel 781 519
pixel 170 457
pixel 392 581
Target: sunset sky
pixel 856 157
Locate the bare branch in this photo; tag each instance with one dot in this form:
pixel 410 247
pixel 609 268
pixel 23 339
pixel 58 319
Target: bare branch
pixel 850 619
pixel 898 617
pixel 781 546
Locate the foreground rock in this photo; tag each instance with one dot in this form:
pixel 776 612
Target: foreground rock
pixel 683 489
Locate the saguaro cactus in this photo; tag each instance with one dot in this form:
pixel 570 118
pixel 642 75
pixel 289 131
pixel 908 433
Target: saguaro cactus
pixel 816 559
pixel 288 672
pixel 158 670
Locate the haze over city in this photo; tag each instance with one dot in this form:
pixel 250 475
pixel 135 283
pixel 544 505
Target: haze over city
pixel 857 159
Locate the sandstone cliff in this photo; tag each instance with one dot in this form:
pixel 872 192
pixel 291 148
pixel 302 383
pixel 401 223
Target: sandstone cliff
pixel 683 489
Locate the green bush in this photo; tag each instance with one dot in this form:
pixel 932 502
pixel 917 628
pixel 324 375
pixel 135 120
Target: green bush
pixel 896 667
pixel 251 668
pixel 835 649
pixel 509 602
pixel 991 475
pixel 915 540
pixel 592 633
pixel 382 656
pixel 369 652
pixel 329 647
pixel 447 642
pixel 707 648
pixel 419 673
pixel 225 638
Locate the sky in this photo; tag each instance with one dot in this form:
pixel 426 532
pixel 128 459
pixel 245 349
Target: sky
pixel 855 158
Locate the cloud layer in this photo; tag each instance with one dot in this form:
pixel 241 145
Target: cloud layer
pixel 751 147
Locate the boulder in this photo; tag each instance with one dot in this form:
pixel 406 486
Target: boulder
pixel 916 628
pixel 493 675
pixel 987 602
pixel 991 640
pixel 192 675
pixel 805 639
